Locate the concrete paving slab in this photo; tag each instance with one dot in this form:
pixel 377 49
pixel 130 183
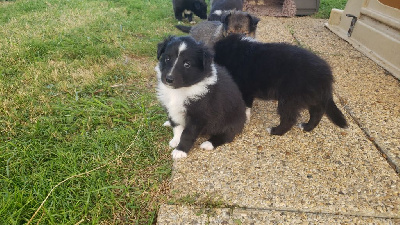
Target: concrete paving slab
pixel 329 174
pixel 173 214
pixel 370 94
pixel 329 170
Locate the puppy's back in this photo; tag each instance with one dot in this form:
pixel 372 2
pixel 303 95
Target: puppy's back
pixel 207 32
pixel 275 60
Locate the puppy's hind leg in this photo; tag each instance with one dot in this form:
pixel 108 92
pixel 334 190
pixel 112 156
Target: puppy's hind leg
pixel 316 113
pixel 217 140
pixel 288 112
pixel 248 99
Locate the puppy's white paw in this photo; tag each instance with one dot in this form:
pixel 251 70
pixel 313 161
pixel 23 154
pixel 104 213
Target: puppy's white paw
pixel 178 154
pixel 174 142
pixel 167 124
pixel 207 145
pixel 269 129
pixel 192 22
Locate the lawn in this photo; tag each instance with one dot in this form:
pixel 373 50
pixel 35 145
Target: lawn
pixel 77 88
pixel 325 7
pixel 78 111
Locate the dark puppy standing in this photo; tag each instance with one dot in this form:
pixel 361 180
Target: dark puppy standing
pixel 199 96
pixel 188 7
pixel 219 8
pixel 295 77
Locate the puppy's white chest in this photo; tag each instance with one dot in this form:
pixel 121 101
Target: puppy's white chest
pixel 174 102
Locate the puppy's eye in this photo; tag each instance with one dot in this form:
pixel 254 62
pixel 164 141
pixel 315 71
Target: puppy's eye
pixel 167 58
pixel 186 64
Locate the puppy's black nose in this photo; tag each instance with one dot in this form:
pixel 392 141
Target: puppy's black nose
pixel 169 79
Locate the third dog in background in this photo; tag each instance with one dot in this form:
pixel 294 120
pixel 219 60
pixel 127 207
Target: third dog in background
pixel 219 8
pixel 238 22
pixel 210 32
pixel 188 7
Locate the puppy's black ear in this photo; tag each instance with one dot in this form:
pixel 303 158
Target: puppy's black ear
pixel 207 58
pixel 253 20
pixel 225 18
pixel 162 45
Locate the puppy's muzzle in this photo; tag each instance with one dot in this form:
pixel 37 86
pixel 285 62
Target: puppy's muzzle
pixel 169 79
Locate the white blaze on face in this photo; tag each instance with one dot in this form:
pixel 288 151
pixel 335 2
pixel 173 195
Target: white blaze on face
pixel 182 47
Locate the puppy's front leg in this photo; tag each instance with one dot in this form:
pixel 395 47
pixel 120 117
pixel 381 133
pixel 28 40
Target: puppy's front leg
pixel 177 130
pixel 188 137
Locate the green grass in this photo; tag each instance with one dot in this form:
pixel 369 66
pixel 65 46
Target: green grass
pixel 325 7
pixel 76 88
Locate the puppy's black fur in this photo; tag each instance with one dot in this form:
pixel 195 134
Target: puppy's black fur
pixel 295 77
pixel 223 6
pixel 198 7
pixel 198 95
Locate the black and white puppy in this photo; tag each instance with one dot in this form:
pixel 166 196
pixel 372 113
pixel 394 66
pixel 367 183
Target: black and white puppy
pixel 188 7
pixel 199 96
pixel 294 76
pixel 221 7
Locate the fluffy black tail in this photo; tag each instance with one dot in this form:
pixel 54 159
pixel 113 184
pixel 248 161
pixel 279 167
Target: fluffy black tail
pixel 185 29
pixel 335 115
